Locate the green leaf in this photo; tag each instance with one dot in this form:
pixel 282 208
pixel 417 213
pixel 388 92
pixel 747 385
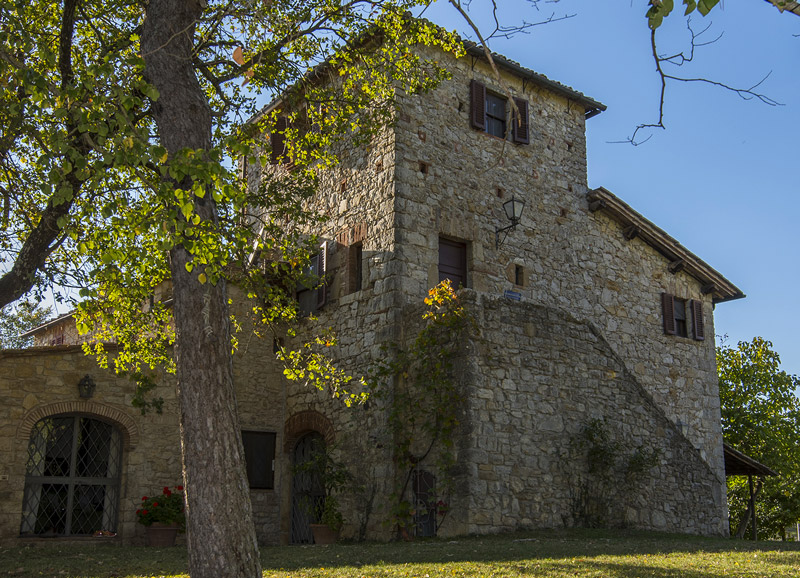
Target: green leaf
pixel 187 209
pixel 705 6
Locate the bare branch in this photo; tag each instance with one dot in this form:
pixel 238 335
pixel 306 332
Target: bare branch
pixel 680 59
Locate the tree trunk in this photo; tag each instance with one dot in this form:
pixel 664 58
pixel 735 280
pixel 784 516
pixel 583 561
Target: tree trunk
pixel 221 534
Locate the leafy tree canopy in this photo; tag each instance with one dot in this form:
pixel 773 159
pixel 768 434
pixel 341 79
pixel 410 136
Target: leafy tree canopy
pixel 761 417
pixel 15 321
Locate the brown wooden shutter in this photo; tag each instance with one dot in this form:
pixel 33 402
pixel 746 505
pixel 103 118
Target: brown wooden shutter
pixel 277 140
pixel 698 325
pixel 322 269
pixel 668 310
pixel 453 262
pixel 477 92
pixel 519 123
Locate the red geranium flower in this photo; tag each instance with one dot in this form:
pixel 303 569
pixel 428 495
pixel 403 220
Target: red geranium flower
pixel 155 504
pixel 144 498
pixel 179 488
pixel 144 512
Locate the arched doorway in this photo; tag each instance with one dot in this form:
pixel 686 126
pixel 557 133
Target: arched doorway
pixel 308 491
pixel 72 477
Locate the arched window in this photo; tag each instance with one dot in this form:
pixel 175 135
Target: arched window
pixel 72 478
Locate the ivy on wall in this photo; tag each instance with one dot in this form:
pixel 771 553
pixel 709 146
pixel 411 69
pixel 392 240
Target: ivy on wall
pixel 423 405
pixel 613 471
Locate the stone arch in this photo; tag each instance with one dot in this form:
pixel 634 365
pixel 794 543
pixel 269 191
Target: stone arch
pixel 304 422
pixel 130 433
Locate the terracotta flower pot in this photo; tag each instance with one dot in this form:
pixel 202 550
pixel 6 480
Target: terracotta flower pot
pixel 161 535
pixel 323 534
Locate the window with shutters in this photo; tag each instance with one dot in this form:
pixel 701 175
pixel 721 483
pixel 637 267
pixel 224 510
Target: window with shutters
pixel 678 313
pixel 277 141
pixel 311 291
pixel 259 456
pixel 489 113
pixel 453 262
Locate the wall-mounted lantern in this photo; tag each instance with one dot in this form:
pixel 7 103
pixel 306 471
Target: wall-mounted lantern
pixel 86 386
pixel 513 209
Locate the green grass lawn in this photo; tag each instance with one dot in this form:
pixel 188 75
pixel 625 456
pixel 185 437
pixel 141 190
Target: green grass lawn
pixel 552 554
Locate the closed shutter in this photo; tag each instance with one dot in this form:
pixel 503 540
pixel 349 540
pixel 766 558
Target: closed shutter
pixel 259 457
pixel 477 92
pixel 668 310
pixel 698 326
pixel 453 262
pixel 322 269
pixel 277 140
pixel 519 125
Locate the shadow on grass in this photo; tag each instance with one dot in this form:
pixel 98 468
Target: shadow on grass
pixel 507 548
pixel 554 553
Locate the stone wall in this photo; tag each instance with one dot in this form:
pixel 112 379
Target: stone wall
pixel 571 258
pixel 433 177
pixel 40 382
pixel 540 377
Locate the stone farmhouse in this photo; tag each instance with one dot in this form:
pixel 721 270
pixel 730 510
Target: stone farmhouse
pixel 592 319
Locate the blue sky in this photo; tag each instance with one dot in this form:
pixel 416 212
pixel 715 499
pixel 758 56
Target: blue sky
pixel 722 177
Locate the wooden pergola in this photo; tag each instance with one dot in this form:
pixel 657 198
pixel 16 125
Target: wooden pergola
pixel 739 464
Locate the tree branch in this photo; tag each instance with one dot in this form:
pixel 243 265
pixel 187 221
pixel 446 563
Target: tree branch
pixel 679 60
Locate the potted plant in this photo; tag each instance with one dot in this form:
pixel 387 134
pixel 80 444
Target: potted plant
pixel 162 516
pixel 333 476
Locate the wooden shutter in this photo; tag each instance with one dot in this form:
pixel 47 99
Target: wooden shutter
pixel 453 262
pixel 477 92
pixel 698 326
pixel 519 123
pixel 322 269
pixel 277 140
pixel 668 310
pixel 259 457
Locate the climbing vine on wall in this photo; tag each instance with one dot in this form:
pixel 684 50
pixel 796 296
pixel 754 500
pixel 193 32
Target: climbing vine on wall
pixel 423 405
pixel 613 470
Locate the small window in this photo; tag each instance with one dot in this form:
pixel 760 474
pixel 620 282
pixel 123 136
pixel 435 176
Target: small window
pixel 495 115
pixel 676 316
pixel 453 262
pixel 277 141
pixel 259 456
pixel 519 275
pixel 489 113
pixel 311 290
pixel 679 306
pixel 355 267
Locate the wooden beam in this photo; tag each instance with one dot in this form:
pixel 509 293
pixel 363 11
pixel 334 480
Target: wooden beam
pixel 595 206
pixel 676 266
pixel 630 232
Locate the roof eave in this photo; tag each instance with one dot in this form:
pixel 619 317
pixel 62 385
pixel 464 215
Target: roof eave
pixel 46 325
pixel 681 259
pixel 592 106
pixel 739 464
